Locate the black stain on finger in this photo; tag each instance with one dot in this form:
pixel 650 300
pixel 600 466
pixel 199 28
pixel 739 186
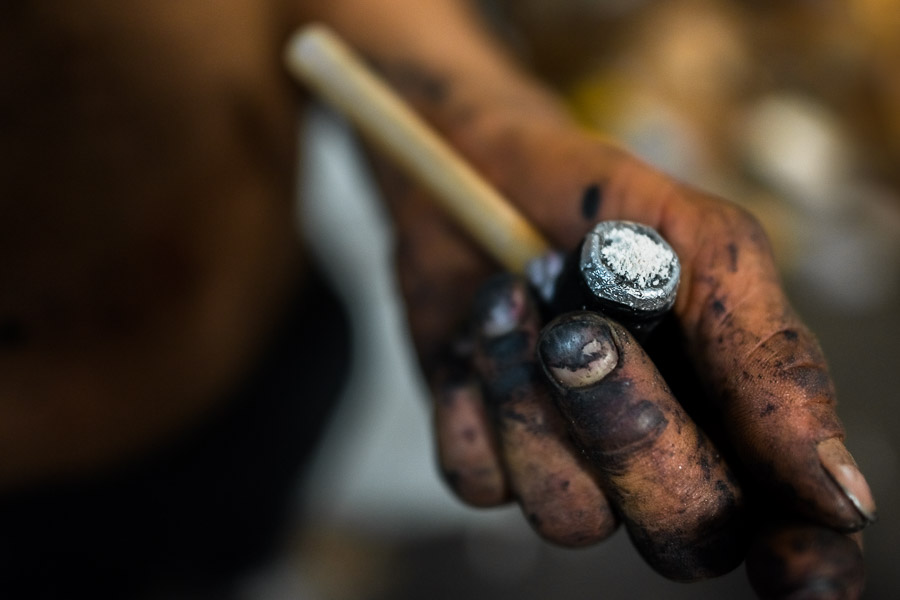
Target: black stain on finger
pixel 718 307
pixel 705 467
pixel 611 426
pixel 710 548
pixel 814 381
pixel 512 347
pixel 732 257
pixel 590 202
pixel 510 414
pixel 563 346
pixel 791 335
pixel 509 384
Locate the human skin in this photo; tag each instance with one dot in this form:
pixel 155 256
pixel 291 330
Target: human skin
pixel 145 189
pixel 764 394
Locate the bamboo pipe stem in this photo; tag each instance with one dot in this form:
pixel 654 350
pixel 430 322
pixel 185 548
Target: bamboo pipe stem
pixel 319 59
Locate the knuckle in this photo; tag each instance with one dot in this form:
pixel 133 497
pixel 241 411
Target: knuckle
pixel 612 426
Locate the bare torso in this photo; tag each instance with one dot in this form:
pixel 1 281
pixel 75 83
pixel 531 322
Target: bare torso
pixel 146 234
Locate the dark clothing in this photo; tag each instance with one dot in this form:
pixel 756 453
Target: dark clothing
pixel 206 507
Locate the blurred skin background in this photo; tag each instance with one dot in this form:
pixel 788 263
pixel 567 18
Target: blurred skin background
pixel 791 109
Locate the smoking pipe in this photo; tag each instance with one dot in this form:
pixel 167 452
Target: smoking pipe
pixel 622 269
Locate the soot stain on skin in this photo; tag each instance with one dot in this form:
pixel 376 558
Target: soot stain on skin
pixel 768 409
pixel 790 335
pixel 710 548
pixel 723 488
pixel 12 333
pixel 510 383
pixel 590 201
pixel 452 365
pixel 732 257
pixel 510 414
pixel 718 307
pixel 609 423
pixel 813 380
pixel 705 467
pixel 509 347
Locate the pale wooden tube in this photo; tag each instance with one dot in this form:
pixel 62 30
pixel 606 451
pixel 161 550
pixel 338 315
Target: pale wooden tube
pixel 318 58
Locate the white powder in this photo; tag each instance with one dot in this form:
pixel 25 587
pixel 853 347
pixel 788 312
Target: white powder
pixel 636 257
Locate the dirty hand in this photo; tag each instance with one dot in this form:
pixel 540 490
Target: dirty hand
pixel 573 419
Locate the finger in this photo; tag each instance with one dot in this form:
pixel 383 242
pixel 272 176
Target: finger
pixel 771 381
pixel 438 274
pixel 467 448
pixel 802 561
pixel 765 372
pixel 678 499
pixel 556 489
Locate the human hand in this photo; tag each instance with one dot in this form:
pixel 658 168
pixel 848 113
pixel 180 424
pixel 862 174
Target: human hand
pixel 574 420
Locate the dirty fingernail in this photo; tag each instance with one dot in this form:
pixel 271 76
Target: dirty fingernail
pixel 501 305
pixel 840 465
pixel 578 350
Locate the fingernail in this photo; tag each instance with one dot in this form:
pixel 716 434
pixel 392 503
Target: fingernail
pixel 578 350
pixel 840 465
pixel 501 305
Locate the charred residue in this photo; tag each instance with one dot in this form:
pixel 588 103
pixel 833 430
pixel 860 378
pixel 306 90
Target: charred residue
pixel 590 201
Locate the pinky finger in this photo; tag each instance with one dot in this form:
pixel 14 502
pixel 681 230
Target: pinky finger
pixel 467 449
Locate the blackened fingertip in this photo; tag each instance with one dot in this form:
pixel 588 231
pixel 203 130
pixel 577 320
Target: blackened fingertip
pixel 501 305
pixel 578 350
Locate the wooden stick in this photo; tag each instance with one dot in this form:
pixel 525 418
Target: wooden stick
pixel 318 58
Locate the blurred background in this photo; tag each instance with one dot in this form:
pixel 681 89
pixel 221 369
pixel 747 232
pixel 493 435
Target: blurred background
pixel 790 108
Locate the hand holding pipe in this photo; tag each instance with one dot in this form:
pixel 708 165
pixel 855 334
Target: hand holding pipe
pixel 623 269
pixel 627 271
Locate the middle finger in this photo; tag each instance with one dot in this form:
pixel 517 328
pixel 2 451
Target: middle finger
pixel 678 499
